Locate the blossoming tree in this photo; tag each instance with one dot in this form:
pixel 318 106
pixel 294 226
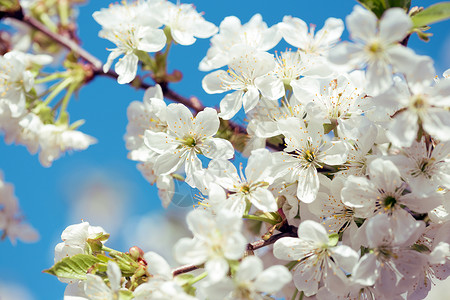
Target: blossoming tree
pixel 346 187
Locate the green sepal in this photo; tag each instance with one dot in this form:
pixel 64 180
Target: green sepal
pixel 126 263
pixel 73 267
pixel 125 295
pixel 103 258
pixel 291 265
pixel 420 248
pixel 432 14
pixel 96 245
pixel 333 239
pixel 328 127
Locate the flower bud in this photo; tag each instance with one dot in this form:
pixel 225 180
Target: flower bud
pixel 136 252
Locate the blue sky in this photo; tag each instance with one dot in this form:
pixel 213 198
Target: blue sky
pixel 47 195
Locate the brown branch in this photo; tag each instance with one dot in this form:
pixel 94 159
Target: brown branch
pixel 60 39
pixel 184 269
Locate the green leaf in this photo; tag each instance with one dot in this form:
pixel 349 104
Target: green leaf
pixel 378 7
pixel 74 267
pixel 333 239
pixel 432 14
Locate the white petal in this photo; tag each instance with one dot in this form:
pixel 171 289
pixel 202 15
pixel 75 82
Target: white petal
pixel 153 40
pixel 114 275
pixel 335 155
pixel 255 170
pixel 96 289
pixel 394 25
pixel 346 53
pixel 385 175
pixel 345 257
pixel 179 119
pixel 159 142
pixel 361 23
pixel 250 98
pixel 288 248
pixel 230 105
pixel 200 223
pixel 157 265
pixel 216 148
pixel 403 129
pixel 263 199
pixel 249 269
pixel 206 122
pixel 169 162
pixel 331 32
pixel 273 279
pixel 379 77
pixel 235 246
pixel 111 57
pixel 270 87
pixel 190 251
pixel 294 31
pixel 308 184
pixel 366 272
pixel 313 231
pixel 213 82
pixel 217 269
pixel 183 37
pixel 127 68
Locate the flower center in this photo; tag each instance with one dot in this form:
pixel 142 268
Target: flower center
pixel 245 189
pixel 190 142
pixel 418 103
pixel 389 202
pixel 309 156
pixel 375 48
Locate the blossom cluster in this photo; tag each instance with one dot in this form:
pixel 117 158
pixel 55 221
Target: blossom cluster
pixel 351 196
pixel 28 120
pixel 12 224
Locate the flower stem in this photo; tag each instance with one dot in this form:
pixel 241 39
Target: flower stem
pixel 59 88
pixel 294 295
pixel 256 218
pixel 107 249
pixel 198 278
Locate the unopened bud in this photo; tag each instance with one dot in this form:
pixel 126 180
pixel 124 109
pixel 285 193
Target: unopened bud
pixel 136 252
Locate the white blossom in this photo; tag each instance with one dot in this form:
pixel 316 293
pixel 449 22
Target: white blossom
pixel 216 240
pixel 185 139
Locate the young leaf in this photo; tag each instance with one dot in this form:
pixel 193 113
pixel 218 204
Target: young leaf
pixel 432 14
pixel 74 267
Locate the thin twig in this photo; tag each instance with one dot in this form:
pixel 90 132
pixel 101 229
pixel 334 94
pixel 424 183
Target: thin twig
pixel 184 269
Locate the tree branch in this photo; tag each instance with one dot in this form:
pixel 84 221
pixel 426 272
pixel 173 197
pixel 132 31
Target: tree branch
pixel 96 69
pixel 60 39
